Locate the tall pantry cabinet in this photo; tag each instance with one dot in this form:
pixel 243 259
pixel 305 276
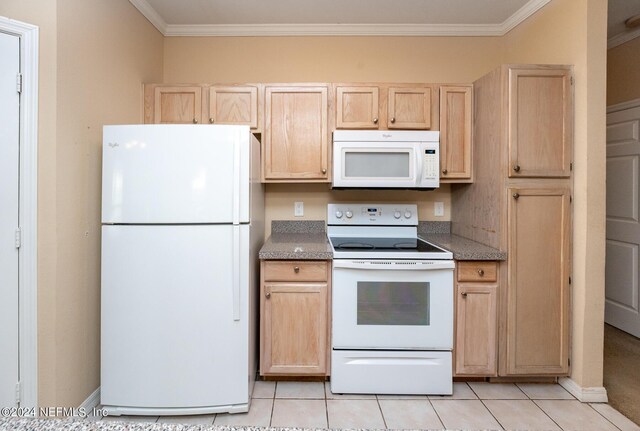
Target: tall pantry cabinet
pixel 520 202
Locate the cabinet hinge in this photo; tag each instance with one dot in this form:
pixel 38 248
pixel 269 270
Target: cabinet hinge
pixel 19 82
pixel 18 393
pixel 18 238
pixel 571 166
pixel 571 79
pixel 570 199
pixel 569 280
pixel 569 361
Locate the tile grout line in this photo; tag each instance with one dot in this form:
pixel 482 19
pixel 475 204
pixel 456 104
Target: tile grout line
pixel 606 418
pixel 384 421
pixel 273 402
pixel 491 413
pixel 436 412
pixel 547 414
pixel 326 403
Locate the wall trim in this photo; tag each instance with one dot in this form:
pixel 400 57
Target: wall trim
pixel 92 401
pixel 585 395
pixel 622 38
pixel 28 201
pixel 225 30
pixel 624 105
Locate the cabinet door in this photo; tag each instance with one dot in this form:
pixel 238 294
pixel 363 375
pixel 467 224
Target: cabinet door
pixel 476 329
pixel 296 136
pixel 409 108
pixel 234 105
pixel 540 122
pixel 294 328
pixel 537 303
pixel 357 108
pixel 177 105
pixel 455 133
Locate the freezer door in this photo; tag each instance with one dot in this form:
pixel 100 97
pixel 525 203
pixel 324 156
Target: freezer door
pixel 175 316
pixel 168 173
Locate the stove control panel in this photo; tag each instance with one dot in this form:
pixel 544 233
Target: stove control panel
pixel 358 214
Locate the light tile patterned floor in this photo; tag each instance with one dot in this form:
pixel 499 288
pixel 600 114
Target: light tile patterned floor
pixel 473 406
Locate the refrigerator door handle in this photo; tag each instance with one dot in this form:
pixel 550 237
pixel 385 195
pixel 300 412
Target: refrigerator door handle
pixel 237 173
pixel 235 275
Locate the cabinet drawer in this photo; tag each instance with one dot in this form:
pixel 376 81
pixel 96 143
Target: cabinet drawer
pixel 477 271
pixel 295 271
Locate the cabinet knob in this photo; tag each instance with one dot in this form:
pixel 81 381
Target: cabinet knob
pixel 195 121
pixel 464 294
pixel 211 120
pixel 516 168
pixel 481 272
pixel 296 269
pixel 324 171
pixel 393 120
pixel 375 121
pixel 444 171
pixel 516 195
pixel 267 295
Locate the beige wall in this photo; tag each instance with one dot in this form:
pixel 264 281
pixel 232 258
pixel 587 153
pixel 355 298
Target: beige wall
pixel 43 14
pixel 332 59
pixel 94 55
pixel 574 32
pixel 623 76
pixel 106 49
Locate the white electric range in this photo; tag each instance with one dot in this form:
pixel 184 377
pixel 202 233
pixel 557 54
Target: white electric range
pixel 392 304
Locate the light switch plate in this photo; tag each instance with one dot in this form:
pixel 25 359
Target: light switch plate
pixel 298 209
pixel 438 209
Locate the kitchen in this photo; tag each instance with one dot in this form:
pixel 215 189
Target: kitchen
pixel 70 191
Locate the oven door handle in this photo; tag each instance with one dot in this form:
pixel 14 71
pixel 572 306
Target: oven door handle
pixel 391 265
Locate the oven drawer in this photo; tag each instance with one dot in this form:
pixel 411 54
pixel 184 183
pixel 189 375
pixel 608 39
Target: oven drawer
pixel 391 372
pixel 477 271
pixel 295 271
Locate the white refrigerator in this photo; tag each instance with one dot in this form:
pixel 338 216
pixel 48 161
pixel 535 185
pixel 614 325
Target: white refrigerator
pixel 182 222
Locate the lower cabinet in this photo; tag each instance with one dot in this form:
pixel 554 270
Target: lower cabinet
pixel 476 302
pixel 295 299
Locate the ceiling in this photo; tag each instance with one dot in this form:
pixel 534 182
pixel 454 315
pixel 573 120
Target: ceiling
pixel 358 17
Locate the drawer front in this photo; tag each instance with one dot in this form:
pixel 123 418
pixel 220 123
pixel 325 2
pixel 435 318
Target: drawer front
pixel 295 271
pixel 477 271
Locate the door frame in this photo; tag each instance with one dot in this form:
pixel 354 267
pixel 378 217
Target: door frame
pixel 28 212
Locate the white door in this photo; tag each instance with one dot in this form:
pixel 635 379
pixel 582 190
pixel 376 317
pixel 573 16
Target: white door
pixel 175 316
pixel 170 173
pixel 622 308
pixel 9 145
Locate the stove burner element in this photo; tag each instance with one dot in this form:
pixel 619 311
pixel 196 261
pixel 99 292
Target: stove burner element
pixel 355 245
pixel 403 245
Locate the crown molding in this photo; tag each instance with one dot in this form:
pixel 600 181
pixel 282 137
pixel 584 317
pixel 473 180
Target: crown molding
pixel 150 13
pixel 519 16
pixel 522 14
pixel 614 41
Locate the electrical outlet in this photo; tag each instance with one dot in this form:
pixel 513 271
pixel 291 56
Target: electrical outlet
pixel 298 209
pixel 438 209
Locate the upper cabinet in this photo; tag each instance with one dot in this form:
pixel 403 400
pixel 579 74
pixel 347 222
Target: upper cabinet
pixel 540 122
pixel 203 104
pixel 296 134
pixel 456 123
pixel 234 105
pixel 409 108
pixel 386 106
pixel 173 104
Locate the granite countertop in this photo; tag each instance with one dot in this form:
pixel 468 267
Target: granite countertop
pixel 463 248
pixel 297 240
pixel 307 240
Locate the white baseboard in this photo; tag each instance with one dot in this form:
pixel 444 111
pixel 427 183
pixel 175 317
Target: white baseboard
pixel 92 400
pixel 585 395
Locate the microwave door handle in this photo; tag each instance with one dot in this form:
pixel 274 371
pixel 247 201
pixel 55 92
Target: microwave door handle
pixel 418 151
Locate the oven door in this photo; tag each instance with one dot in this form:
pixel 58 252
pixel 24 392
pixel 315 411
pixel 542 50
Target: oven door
pixel 391 304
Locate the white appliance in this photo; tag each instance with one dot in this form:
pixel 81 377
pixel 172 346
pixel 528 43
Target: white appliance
pixel 386 159
pixel 392 303
pixel 182 221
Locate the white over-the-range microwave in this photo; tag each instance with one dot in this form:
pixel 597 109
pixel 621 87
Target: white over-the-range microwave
pixel 386 159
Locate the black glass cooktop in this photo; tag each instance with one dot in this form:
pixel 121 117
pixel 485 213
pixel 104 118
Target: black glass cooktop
pixel 382 244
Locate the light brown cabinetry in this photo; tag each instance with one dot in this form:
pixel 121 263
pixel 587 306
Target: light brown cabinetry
pixel 476 328
pixel 386 106
pixel 296 134
pixel 203 104
pixel 537 319
pixel 295 318
pixel 456 122
pixel 520 202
